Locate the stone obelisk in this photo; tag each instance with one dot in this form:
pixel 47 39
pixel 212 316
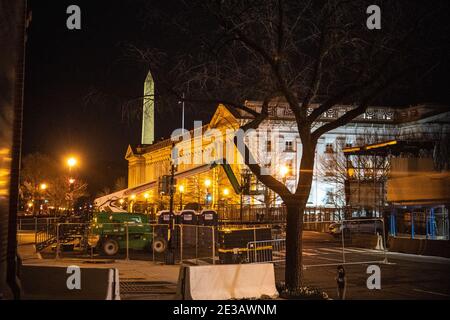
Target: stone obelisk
pixel 148 111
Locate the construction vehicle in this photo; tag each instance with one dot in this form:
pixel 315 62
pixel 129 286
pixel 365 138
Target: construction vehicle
pixel 110 231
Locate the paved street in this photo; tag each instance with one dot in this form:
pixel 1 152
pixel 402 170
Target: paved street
pixel 404 277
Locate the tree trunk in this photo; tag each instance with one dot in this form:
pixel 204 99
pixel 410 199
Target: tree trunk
pixel 295 205
pixel 294 245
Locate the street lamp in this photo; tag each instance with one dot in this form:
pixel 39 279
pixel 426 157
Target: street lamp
pixel 226 193
pixel 284 170
pixel 133 197
pixel 70 194
pixel 71 162
pixel 208 196
pixel 42 187
pixel 146 196
pixel 181 189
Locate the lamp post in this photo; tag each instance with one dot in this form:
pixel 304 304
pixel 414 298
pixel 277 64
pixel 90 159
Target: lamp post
pixel 131 208
pixel 284 170
pixel 146 196
pixel 170 255
pixel 181 189
pixel 207 185
pixel 226 193
pixel 71 163
pixel 42 188
pixel 70 194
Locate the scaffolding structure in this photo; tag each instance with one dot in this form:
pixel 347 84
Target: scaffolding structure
pixel 415 219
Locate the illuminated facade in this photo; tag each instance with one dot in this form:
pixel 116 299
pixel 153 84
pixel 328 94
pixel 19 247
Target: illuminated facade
pixel 203 183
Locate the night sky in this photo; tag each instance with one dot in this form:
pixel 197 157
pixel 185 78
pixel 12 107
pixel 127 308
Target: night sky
pixel 64 67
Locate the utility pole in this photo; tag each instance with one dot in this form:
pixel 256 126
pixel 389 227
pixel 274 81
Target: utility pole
pixel 182 115
pixel 241 199
pixel 170 254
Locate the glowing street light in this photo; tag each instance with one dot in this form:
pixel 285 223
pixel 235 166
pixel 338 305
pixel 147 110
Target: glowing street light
pixel 43 186
pixel 146 195
pixel 71 180
pixel 133 196
pixel 181 188
pixel 226 192
pixel 284 170
pixel 207 183
pixel 71 162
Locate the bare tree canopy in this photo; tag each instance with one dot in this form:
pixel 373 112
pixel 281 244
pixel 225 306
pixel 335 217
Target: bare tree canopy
pixel 39 169
pixel 304 52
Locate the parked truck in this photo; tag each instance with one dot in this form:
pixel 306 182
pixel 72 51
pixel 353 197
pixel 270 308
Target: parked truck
pixel 108 233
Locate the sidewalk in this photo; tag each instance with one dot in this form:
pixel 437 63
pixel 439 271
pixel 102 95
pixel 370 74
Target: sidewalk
pixel 405 277
pixel 138 279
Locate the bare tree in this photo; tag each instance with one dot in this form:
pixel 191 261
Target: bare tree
pixel 306 52
pixel 120 184
pixel 40 169
pixel 333 167
pixel 104 192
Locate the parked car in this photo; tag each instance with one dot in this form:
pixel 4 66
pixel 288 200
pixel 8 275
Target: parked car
pixel 357 226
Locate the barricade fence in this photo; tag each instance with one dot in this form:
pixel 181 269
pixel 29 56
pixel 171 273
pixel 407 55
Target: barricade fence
pixel 34 224
pixel 192 244
pixel 325 243
pixel 329 243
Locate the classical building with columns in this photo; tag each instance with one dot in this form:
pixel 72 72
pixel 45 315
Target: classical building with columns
pixel 212 174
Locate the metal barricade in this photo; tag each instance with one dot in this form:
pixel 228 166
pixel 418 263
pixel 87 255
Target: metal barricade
pixel 266 251
pixel 327 243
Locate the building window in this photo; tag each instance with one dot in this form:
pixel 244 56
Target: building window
pixel 289 146
pixel 269 146
pixel 329 148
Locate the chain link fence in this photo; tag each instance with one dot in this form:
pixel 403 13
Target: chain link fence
pixel 192 244
pixel 325 243
pixel 328 243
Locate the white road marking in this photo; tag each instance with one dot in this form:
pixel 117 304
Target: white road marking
pixel 309 254
pixel 330 250
pixel 329 259
pixel 357 250
pixel 431 292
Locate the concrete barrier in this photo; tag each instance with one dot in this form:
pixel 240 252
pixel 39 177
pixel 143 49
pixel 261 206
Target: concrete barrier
pixel 51 283
pixel 426 247
pixel 222 282
pixel 369 241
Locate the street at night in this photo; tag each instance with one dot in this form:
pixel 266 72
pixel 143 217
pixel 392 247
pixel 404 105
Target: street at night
pixel 225 158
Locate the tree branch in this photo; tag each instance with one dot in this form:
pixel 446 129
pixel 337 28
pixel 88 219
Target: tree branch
pixel 255 168
pixel 352 114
